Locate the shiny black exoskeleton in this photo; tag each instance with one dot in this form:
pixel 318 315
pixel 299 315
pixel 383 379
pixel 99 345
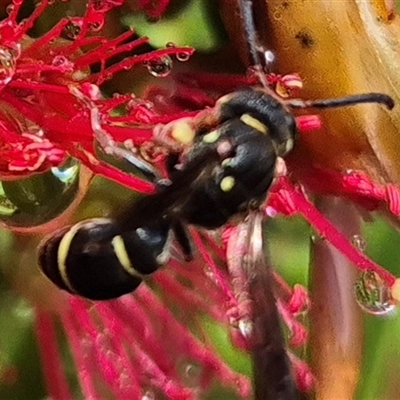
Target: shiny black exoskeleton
pixel 228 168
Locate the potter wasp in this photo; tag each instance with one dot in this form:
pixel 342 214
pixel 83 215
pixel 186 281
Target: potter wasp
pixel 227 170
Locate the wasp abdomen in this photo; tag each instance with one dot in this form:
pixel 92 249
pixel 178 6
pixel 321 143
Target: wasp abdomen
pixel 94 259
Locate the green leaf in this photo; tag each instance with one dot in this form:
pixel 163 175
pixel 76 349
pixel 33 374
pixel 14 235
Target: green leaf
pixel 196 25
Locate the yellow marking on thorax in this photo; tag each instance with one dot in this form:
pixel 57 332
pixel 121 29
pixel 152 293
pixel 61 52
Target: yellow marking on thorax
pixel 254 123
pixel 227 183
pixel 211 137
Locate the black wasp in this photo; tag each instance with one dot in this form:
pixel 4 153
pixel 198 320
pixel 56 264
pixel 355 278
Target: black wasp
pixel 228 169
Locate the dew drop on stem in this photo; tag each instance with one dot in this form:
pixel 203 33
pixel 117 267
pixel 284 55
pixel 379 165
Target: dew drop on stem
pixel 373 295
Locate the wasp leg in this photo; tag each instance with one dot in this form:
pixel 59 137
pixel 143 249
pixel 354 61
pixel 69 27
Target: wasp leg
pixel 182 237
pixel 108 144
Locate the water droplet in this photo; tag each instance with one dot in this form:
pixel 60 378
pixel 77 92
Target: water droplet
pixel 359 242
pixel 246 328
pixel 373 295
pixel 159 67
pixel 72 30
pixel 271 212
pixel 191 374
pixel 317 237
pixel 209 273
pixel 269 56
pixel 62 61
pixel 192 370
pixel 182 57
pixel 10 8
pixel 96 26
pixel 7 64
pixel 179 56
pixel 148 395
pixel 40 198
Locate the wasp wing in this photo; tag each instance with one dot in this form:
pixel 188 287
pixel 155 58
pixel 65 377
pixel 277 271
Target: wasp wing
pixel 273 376
pixel 188 187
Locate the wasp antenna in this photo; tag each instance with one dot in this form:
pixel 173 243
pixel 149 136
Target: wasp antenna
pixel 246 11
pixel 344 101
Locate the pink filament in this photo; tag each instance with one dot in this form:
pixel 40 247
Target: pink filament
pixel 359 183
pixel 53 373
pixel 299 203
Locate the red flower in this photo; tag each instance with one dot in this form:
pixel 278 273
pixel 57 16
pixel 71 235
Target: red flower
pixel 130 345
pixel 52 107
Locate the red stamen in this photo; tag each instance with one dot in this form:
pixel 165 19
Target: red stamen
pixel 28 22
pixel 110 49
pixel 128 63
pixel 303 375
pixel 53 373
pixel 306 123
pixel 359 183
pixel 299 203
pixel 297 330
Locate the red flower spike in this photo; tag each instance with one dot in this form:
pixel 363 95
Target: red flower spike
pixel 355 185
pixel 32 155
pixel 126 319
pixel 290 200
pixel 297 330
pixel 216 272
pixel 359 184
pixel 53 373
pixel 306 123
pixel 40 87
pixel 21 155
pixel 299 300
pixel 36 80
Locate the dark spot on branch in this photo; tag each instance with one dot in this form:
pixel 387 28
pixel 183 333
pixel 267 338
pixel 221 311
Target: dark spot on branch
pixel 305 38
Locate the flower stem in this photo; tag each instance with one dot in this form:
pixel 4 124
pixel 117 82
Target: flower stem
pixel 335 319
